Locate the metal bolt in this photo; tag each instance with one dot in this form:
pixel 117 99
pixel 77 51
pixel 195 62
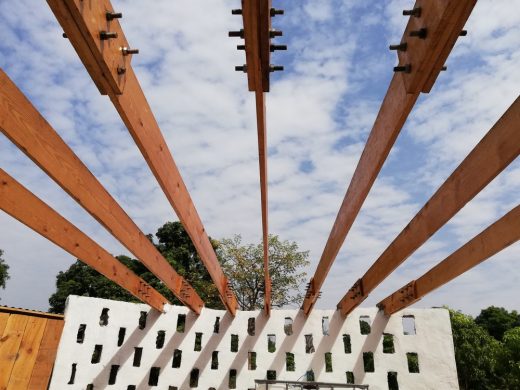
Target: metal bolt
pixel 127 51
pixel 241 47
pixel 275 33
pixel 422 33
pixel 104 35
pixel 278 47
pixel 64 35
pixel 238 34
pixel 444 68
pixel 113 15
pixel 463 33
pixel 121 70
pixel 241 68
pixel 401 47
pixel 236 12
pixel 275 12
pixel 275 68
pixel 406 68
pixel 413 12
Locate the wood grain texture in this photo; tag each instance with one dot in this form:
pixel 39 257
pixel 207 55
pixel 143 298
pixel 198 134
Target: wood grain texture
pixel 10 341
pixel 3 322
pixel 392 115
pixel 25 127
pixel 489 242
pixel 22 205
pixel 499 147
pixel 27 354
pixel 42 370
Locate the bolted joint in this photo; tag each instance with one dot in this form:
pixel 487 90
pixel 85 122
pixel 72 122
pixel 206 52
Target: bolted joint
pixel 444 68
pixel 121 70
pixel 405 69
pixel 236 12
pixel 64 35
pixel 105 35
pixel 274 12
pixel 275 33
pixel 241 68
pixel 113 15
pixel 277 47
pixel 236 34
pixel 400 47
pixel 463 33
pixel 241 47
pixel 421 33
pixel 275 68
pixel 413 12
pixel 126 51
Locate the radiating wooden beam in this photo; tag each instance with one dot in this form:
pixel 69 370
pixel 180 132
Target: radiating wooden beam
pixel 489 242
pixel 499 147
pixel 83 22
pixel 443 20
pixel 25 127
pixel 24 206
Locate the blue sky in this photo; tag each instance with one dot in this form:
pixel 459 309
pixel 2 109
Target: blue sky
pixel 320 111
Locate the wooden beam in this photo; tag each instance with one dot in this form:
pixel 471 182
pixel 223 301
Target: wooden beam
pixel 131 103
pixel 499 147
pixel 489 242
pixel 399 100
pixel 21 204
pixel 25 127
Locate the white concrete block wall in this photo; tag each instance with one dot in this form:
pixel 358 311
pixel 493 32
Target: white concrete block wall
pixel 432 342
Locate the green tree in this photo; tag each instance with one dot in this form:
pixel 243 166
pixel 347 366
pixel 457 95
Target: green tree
pixel 476 354
pixel 510 358
pixel 497 320
pixel 4 271
pixel 174 244
pixel 243 264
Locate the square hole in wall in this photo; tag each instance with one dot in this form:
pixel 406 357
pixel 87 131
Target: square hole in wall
pixel 214 360
pixel 153 378
pixel 388 343
pixel 234 343
pixel 271 343
pixel 194 378
pixel 142 319
pixel 368 361
pixel 112 378
pixel 251 326
pixel 251 360
pixel 103 318
pixel 309 376
pixel 121 336
pixel 159 340
pixel 328 362
pixel 365 325
pixel 288 326
pixel 177 358
pixel 198 342
pixel 350 378
pixel 232 379
pixel 413 362
pixel 271 375
pixel 96 355
pixel 325 325
pixel 181 323
pixel 409 325
pixel 216 325
pixel 80 337
pixel 138 353
pixel 309 343
pixel 347 346
pixel 392 380
pixel 289 361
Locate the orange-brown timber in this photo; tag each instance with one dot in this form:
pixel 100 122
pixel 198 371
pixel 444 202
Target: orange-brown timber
pixel 489 242
pixel 24 126
pixel 257 25
pixel 24 206
pixel 137 115
pixel 499 147
pixel 444 20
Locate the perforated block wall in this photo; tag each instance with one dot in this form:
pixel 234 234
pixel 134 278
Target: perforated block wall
pixel 118 345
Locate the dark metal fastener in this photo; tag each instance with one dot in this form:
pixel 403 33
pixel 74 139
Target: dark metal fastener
pixel 406 68
pixel 238 34
pixel 275 12
pixel 400 47
pixel 104 35
pixel 422 33
pixel 127 51
pixel 275 33
pixel 444 68
pixel 278 47
pixel 121 70
pixel 241 68
pixel 413 12
pixel 64 35
pixel 241 47
pixel 275 68
pixel 463 33
pixel 113 15
pixel 236 12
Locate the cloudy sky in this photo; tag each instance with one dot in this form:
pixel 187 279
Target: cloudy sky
pixel 320 111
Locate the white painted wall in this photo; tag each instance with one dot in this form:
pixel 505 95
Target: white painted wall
pixel 433 342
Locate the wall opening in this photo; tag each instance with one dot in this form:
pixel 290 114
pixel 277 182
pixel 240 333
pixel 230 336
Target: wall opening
pixel 96 355
pixel 72 374
pixel 138 353
pixel 81 333
pixel 198 342
pixel 309 376
pixel 347 346
pixel 251 326
pixel 409 325
pixel 309 344
pixel 365 325
pixel 413 362
pixel 112 378
pixel 142 319
pixel 234 343
pixel 214 360
pixel 181 323
pixel 159 341
pixel 287 327
pixel 271 343
pixel 251 360
pixel 388 343
pixel 194 378
pixel 392 381
pixel 153 379
pixel 232 379
pixel 325 325
pixel 289 361
pixel 216 325
pixel 103 318
pixel 368 361
pixel 271 375
pixel 350 378
pixel 177 358
pixel 328 362
pixel 121 336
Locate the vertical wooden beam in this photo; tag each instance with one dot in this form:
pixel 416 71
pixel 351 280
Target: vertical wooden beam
pixel 489 242
pixel 24 206
pixel 82 25
pixel 11 339
pixel 499 147
pixel 443 20
pixel 25 127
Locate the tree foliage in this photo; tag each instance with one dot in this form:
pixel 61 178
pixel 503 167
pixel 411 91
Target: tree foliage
pixel 497 320
pixel 244 265
pixel 4 271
